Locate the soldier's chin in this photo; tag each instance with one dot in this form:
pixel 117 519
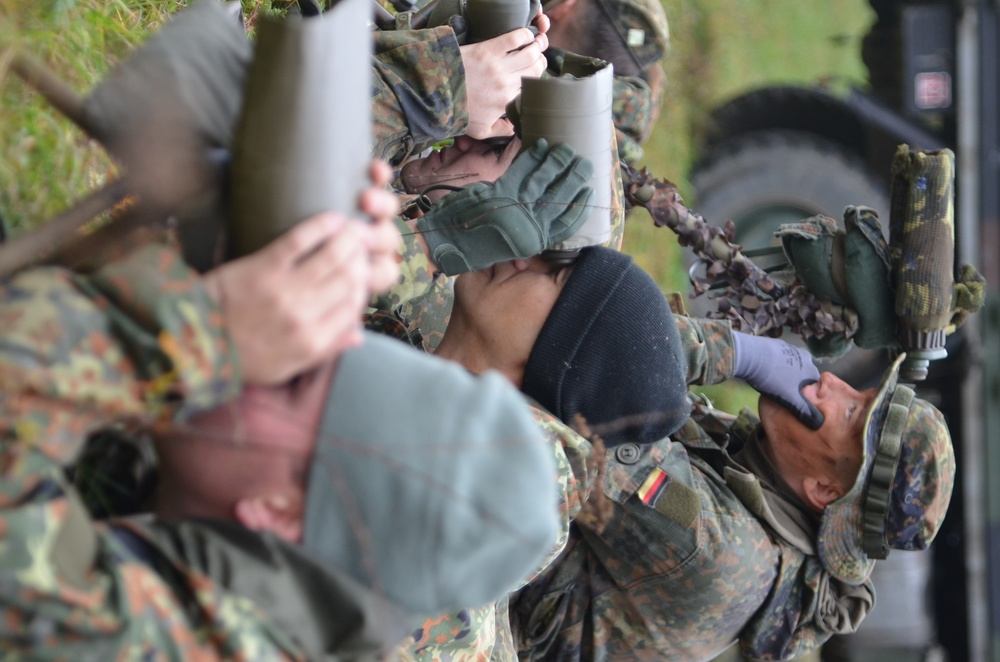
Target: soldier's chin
pixel 406 176
pixel 771 413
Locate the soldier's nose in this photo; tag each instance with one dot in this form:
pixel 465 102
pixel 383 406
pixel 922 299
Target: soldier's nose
pixel 464 143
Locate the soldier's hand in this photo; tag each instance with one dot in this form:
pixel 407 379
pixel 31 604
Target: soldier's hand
pixel 493 71
pixel 538 203
pixel 381 206
pixel 298 301
pixel 778 370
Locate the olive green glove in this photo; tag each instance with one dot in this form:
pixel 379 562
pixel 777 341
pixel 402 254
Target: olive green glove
pixel 539 202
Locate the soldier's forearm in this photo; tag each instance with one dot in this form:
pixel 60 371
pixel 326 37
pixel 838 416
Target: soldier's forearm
pixel 139 339
pixel 419 96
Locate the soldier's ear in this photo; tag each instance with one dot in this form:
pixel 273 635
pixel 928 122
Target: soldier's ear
pixel 274 513
pixel 819 492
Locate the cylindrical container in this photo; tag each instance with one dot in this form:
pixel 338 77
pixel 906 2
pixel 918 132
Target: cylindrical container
pixel 303 140
pixel 575 108
pixel 491 18
pixel 922 237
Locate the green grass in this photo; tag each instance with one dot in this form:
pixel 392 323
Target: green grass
pixel 46 162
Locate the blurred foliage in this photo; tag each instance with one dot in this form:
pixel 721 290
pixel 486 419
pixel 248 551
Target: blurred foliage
pixel 46 162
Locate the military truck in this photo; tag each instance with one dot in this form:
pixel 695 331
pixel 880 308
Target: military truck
pixel 780 154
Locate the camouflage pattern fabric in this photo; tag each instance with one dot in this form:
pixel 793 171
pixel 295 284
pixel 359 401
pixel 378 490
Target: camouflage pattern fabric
pixel 642 26
pixel 419 97
pixel 139 339
pixel 416 278
pixel 607 583
pixel 686 565
pixel 635 109
pixel 617 198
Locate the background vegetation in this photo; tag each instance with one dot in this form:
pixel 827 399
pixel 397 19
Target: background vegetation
pixel 718 49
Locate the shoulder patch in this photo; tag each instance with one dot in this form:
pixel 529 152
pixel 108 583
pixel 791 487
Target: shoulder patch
pixel 670 498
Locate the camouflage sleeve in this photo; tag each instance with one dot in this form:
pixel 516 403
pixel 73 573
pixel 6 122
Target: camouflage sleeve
pixel 419 91
pixel 140 338
pixel 469 634
pixel 416 276
pixel 576 474
pixel 708 347
pixel 76 353
pixel 631 109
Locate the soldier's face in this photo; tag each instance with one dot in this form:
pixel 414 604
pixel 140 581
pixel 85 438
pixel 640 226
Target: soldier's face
pixel 503 308
pixel 834 449
pixel 285 417
pixel 464 162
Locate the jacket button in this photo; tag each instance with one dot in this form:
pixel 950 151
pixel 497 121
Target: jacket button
pixel 627 453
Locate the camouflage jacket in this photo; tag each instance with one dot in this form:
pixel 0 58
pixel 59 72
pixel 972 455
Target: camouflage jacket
pixel 139 340
pixel 419 93
pixel 484 633
pixel 692 560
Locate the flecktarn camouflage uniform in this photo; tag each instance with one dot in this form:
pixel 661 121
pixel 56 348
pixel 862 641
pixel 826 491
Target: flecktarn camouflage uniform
pixel 138 339
pixel 419 97
pixel 677 523
pixel 689 562
pixel 483 632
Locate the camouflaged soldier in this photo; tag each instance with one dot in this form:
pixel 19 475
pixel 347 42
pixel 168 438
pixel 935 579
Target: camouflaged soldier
pixel 500 311
pixel 631 34
pixel 769 542
pixel 145 340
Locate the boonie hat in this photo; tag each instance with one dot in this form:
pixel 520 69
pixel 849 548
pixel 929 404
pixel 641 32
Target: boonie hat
pixel 642 25
pixel 902 491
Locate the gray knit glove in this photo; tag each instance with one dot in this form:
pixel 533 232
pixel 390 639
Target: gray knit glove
pixel 778 370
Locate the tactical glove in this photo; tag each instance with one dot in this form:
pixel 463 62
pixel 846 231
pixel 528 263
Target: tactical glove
pixel 539 202
pixel 778 370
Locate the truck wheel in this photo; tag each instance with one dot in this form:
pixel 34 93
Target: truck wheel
pixel 764 179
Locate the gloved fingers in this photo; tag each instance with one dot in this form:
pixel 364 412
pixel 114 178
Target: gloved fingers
pixel 523 165
pixel 502 230
pixel 451 211
pixel 558 162
pixel 575 174
pixel 572 217
pixel 807 412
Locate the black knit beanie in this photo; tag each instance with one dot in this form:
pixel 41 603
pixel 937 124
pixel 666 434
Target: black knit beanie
pixel 610 351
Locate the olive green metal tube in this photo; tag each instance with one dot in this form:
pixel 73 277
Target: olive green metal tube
pixel 575 108
pixel 491 18
pixel 303 140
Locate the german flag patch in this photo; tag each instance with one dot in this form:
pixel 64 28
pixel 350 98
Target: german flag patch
pixel 653 486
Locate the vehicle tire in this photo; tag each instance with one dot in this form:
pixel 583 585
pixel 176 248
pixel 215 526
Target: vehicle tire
pixel 765 179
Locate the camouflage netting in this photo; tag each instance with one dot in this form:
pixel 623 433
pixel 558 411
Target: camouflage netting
pixel 844 285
